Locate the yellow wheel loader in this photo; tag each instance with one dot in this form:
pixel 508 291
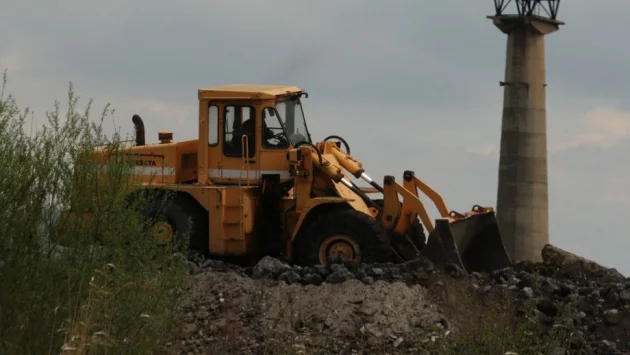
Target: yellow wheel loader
pixel 254 183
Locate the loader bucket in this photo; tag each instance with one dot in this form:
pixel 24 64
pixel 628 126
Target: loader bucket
pixel 472 243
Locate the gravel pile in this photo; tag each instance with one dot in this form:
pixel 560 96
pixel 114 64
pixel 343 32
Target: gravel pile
pixel 600 296
pixel 414 271
pixel 283 310
pixel 390 308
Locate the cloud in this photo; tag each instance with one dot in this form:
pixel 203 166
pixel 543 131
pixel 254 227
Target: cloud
pixel 13 58
pixel 601 127
pixel 486 150
pixel 406 88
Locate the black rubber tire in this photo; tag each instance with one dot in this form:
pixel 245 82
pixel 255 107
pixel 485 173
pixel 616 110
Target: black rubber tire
pixel 416 233
pixel 177 213
pixel 373 243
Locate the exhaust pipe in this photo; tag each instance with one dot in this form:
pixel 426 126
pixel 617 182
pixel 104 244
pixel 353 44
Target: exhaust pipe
pixel 139 126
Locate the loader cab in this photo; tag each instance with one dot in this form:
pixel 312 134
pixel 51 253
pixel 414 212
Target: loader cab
pixel 245 132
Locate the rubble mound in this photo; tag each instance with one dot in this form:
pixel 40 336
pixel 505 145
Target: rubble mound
pixel 268 268
pixel 409 308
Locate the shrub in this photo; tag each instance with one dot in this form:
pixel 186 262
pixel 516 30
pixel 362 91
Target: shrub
pixel 499 323
pixel 118 297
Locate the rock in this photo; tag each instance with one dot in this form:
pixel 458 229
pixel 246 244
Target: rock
pixel 360 274
pixel 356 298
pixel 454 271
pixel 269 268
pixel 419 264
pixel 322 270
pixel 624 295
pixel 305 270
pixel 338 268
pixel 547 307
pixel 372 329
pixel 313 279
pixel 189 328
pixel 551 286
pixel 352 266
pixel 613 297
pixel 339 277
pixel 193 269
pixel 189 318
pixel 576 342
pixel 377 272
pixel 290 277
pixel 528 292
pixel 420 275
pixel 566 289
pixel 203 315
pixel 612 316
pixel 368 280
pixel 558 351
pixel 609 344
pixel 368 309
pixel 220 323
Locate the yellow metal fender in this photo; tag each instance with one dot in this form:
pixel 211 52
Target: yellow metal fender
pixel 311 205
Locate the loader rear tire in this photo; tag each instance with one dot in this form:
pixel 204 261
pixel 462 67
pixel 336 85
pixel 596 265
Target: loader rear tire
pixel 346 233
pixel 173 218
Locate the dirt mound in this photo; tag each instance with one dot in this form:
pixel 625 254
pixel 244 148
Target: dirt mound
pixel 228 312
pixel 275 308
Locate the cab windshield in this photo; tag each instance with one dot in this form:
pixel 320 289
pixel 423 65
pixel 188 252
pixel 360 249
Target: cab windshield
pixel 292 118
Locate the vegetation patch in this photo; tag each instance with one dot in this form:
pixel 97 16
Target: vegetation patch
pixel 109 289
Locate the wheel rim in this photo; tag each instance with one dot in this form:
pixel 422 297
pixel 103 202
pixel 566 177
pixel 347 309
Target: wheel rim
pixel 340 246
pixel 161 232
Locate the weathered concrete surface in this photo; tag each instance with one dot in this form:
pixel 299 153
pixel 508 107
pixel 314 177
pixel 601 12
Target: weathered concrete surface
pixel 522 201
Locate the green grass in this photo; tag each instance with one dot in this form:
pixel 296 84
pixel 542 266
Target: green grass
pixel 504 323
pixel 117 299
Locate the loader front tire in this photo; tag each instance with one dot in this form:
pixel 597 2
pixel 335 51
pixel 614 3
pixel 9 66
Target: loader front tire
pixel 345 233
pixel 416 233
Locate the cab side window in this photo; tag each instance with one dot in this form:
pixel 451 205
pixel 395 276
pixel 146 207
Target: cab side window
pixel 273 136
pixel 213 125
pixel 239 120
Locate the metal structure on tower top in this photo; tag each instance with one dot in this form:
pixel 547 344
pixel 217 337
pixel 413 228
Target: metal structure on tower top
pixel 542 8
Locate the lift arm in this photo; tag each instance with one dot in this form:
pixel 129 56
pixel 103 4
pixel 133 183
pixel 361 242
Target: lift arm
pixel 400 218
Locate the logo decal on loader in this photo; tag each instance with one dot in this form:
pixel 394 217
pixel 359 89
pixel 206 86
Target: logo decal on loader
pixel 146 163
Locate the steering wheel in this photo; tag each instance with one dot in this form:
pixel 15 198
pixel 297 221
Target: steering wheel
pixel 277 135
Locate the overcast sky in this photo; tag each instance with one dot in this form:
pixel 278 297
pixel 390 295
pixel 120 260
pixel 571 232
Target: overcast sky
pixel 421 77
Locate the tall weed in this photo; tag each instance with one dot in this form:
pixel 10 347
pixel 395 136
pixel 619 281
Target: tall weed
pixel 111 290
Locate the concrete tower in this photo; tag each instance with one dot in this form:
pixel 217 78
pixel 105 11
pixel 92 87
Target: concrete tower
pixel 522 201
